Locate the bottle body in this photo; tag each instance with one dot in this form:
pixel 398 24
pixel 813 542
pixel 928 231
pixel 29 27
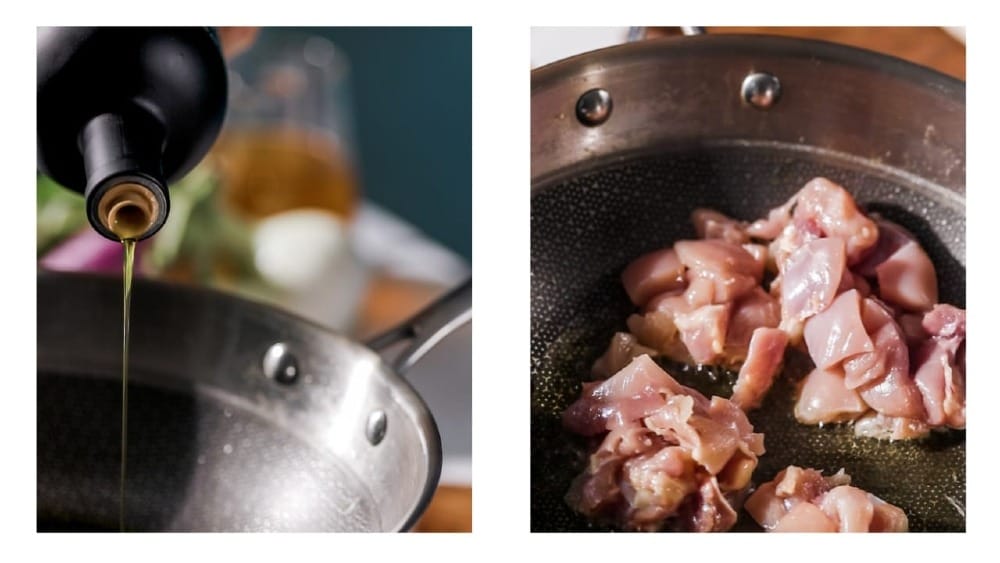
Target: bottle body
pixel 127 105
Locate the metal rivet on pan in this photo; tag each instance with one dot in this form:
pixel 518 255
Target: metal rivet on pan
pixel 375 430
pixel 280 364
pixel 594 107
pixel 761 89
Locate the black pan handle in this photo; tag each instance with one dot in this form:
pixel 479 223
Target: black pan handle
pixel 428 327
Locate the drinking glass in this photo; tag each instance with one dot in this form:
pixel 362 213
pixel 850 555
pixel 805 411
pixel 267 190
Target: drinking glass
pixel 286 166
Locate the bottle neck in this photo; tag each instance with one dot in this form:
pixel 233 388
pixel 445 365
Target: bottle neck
pixel 123 148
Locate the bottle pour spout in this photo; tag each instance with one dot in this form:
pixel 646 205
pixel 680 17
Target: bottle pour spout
pixel 126 197
pixel 129 211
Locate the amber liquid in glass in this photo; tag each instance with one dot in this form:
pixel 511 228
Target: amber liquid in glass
pixel 271 170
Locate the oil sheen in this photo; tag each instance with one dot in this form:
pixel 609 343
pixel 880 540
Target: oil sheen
pixel 129 245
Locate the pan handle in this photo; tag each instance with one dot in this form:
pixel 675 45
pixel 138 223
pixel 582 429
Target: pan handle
pixel 428 327
pixel 639 33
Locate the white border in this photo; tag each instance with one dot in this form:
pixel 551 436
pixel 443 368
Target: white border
pixel 501 264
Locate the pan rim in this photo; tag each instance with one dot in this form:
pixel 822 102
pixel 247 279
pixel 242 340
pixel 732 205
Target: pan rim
pixel 762 44
pixel 685 82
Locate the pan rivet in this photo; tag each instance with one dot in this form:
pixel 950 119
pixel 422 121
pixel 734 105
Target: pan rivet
pixel 761 90
pixel 280 364
pixel 594 107
pixel 375 430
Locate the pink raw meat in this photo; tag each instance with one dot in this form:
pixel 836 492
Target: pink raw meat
pixel 652 274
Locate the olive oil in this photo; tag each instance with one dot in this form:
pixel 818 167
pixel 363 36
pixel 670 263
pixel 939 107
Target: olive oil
pixel 129 245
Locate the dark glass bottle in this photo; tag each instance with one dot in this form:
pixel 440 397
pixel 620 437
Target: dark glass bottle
pixel 122 112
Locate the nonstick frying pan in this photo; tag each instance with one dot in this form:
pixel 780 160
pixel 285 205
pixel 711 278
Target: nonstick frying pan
pixel 627 141
pixel 241 417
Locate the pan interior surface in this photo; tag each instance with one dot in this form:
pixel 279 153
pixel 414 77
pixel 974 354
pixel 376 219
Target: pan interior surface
pixel 196 462
pixel 586 229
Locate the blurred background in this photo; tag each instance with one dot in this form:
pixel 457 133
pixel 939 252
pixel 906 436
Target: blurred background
pixel 339 189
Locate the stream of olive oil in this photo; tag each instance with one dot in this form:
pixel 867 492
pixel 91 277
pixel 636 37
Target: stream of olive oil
pixel 129 245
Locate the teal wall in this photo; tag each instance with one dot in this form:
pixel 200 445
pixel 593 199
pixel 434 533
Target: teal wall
pixel 412 88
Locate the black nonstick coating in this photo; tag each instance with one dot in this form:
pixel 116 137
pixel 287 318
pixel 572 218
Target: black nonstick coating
pixel 195 463
pixel 585 230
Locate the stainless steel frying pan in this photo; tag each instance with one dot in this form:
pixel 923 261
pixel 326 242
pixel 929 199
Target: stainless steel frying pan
pixel 241 417
pixel 627 141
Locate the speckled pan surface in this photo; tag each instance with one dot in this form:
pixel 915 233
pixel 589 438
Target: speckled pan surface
pixel 585 230
pixel 679 137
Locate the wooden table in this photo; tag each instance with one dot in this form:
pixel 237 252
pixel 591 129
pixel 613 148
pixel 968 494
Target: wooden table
pixel 929 46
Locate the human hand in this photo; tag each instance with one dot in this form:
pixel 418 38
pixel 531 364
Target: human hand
pixel 236 40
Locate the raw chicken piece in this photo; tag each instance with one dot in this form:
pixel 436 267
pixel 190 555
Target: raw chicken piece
pixel 652 274
pixel 700 291
pixel 767 351
pixel 891 237
pixel 732 270
pixel 703 332
pixel 851 281
pixel 657 330
pixel 824 398
pixel 821 209
pixel 908 279
pixel 850 507
pixel 942 384
pixel 754 310
pixel 894 395
pixel 619 354
pixel 689 319
pixel 882 427
pixel 777 219
pixel 802 500
pixel 832 208
pixel 805 517
pixel 945 322
pixel 655 484
pixel 597 489
pixel 810 278
pixel 886 517
pixel 714 432
pixel 759 253
pixel 905 274
pixel 638 390
pixel 795 235
pixel 939 374
pixel 686 327
pixel 710 224
pixel 889 347
pixel 709 511
pixel 792 486
pixel 837 333
pixel 673 302
pixel 883 377
pixel 859 511
pixel 630 439
pixel 671 458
